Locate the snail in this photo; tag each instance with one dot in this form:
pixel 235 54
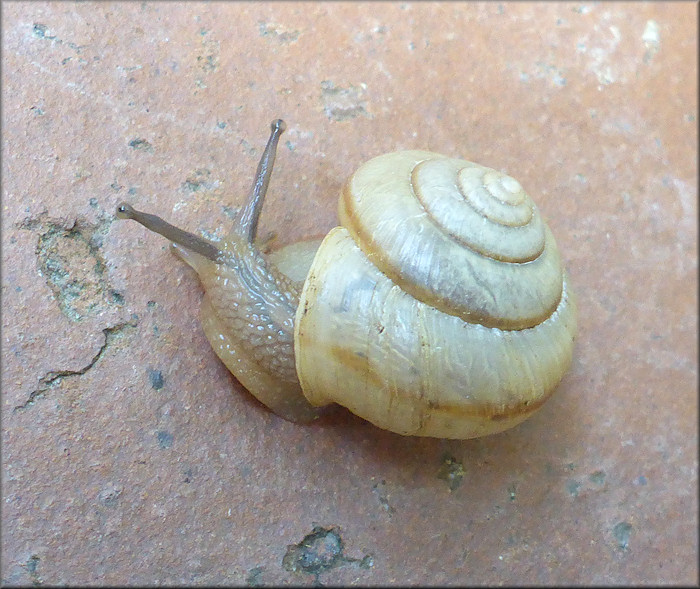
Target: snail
pixel 439 307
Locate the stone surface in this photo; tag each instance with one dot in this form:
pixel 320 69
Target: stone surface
pixel 131 456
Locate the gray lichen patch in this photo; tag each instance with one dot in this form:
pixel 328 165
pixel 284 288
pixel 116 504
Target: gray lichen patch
pixel 622 532
pixel 208 60
pixel 277 32
pixel 341 104
pixel 254 578
pixel 141 144
pixel 199 180
pixel 70 261
pixel 320 551
pixel 41 31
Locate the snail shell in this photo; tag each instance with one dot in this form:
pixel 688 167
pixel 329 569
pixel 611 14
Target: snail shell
pixel 438 308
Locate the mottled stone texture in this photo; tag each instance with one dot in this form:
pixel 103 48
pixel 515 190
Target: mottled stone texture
pixel 131 456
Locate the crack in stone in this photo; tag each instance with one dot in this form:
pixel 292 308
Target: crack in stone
pixel 54 377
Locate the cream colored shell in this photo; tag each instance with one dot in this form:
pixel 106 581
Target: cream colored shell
pixel 440 307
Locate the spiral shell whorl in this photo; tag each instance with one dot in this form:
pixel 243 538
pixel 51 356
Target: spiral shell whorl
pixel 481 208
pixel 458 236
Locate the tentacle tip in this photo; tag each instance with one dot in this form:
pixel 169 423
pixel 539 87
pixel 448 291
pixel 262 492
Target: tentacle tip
pixel 125 211
pixel 278 125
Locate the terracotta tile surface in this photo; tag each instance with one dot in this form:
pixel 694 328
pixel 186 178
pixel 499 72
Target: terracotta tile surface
pixel 131 456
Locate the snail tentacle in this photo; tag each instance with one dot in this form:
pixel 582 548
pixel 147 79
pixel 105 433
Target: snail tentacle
pixel 246 222
pixel 179 236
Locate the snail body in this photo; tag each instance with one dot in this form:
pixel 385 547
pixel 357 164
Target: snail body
pixel 439 307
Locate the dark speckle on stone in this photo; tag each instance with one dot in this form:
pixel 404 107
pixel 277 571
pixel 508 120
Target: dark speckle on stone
pixel 117 297
pixel 341 104
pixel 109 495
pixel 165 439
pixel 451 471
pixel 141 144
pixel 32 566
pixel 254 578
pixel 573 487
pixel 367 562
pixel 156 378
pixel 512 491
pixel 33 563
pixel 597 477
pixel 622 532
pixel 41 31
pixel 379 489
